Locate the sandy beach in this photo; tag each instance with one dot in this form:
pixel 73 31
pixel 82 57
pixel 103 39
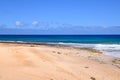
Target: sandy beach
pixel 42 62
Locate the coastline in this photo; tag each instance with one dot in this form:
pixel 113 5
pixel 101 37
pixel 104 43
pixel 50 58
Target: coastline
pixel 55 62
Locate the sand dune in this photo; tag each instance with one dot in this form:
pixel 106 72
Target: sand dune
pixel 26 62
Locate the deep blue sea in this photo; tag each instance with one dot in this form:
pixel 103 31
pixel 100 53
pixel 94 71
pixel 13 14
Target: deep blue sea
pixel 109 44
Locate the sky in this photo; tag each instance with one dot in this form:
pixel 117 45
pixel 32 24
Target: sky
pixel 60 17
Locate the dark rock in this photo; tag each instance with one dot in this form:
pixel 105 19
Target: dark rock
pixel 58 53
pixel 86 67
pixel 92 78
pixel 32 46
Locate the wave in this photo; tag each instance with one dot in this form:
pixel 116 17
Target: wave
pixel 110 47
pixel 12 41
pixel 95 46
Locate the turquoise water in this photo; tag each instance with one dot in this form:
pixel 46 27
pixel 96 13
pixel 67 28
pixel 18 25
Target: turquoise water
pixel 108 44
pixel 107 39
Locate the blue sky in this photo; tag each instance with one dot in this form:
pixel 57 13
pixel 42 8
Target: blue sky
pixel 59 16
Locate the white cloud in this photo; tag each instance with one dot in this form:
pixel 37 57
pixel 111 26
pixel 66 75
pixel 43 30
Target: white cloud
pixel 35 23
pixel 18 23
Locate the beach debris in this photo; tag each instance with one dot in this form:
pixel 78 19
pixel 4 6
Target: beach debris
pixel 86 67
pixel 32 46
pixel 116 61
pixel 58 53
pixel 92 78
pixel 53 51
pixel 92 50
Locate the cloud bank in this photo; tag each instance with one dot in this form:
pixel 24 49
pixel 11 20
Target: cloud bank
pixel 56 28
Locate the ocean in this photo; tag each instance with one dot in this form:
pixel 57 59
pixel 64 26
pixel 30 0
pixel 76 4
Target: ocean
pixel 108 44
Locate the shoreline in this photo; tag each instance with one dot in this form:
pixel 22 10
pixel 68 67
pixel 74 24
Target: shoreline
pixel 92 51
pixel 48 62
pixel 60 45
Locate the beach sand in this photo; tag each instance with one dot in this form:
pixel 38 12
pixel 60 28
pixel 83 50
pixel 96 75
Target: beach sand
pixel 42 62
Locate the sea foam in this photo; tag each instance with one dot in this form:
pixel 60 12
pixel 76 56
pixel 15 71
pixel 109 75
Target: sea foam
pixel 107 49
